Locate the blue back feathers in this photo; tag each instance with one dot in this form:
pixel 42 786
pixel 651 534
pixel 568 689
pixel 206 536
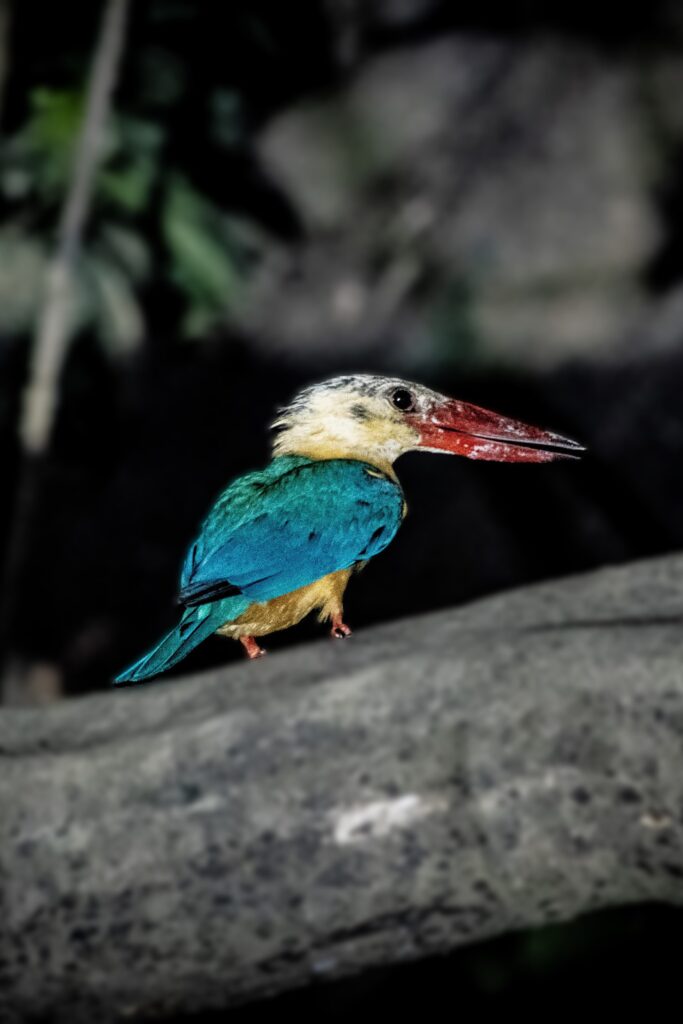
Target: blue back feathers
pixel 271 532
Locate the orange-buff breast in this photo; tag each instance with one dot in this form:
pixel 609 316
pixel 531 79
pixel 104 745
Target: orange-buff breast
pixel 324 596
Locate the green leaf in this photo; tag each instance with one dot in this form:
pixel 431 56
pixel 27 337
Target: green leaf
pixel 202 264
pixel 127 248
pixel 48 140
pixel 115 308
pixel 23 261
pixel 128 185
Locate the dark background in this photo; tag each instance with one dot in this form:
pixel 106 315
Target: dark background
pixel 485 197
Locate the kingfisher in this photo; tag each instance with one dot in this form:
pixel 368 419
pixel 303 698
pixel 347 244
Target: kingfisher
pixel 284 541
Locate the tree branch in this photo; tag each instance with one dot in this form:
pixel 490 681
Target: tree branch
pixel 433 782
pixel 49 350
pixel 53 331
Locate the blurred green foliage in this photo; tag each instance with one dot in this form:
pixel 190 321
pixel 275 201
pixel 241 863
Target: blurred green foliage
pixel 179 201
pixel 141 199
pixel 204 254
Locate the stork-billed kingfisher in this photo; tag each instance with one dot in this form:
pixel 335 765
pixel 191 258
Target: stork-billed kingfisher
pixel 283 541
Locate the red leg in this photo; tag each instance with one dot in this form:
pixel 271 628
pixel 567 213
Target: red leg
pixel 252 648
pixel 339 630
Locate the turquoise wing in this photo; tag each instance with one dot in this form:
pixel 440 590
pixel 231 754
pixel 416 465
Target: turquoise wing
pixel 296 521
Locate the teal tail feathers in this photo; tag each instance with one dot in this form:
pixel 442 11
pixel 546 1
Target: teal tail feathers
pixel 195 626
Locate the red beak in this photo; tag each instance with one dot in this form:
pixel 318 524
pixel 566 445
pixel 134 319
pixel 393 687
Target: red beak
pixel 462 429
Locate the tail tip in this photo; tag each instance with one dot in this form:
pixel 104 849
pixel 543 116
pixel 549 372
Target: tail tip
pixel 135 674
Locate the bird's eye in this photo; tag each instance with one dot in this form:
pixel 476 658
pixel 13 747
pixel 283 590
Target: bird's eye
pixel 402 399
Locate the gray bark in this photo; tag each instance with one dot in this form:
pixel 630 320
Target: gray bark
pixel 432 782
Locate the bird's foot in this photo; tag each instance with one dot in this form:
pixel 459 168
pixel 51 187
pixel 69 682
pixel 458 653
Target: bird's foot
pixel 340 630
pixel 252 648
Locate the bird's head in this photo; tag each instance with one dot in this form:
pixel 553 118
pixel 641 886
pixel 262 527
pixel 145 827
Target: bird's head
pixel 376 419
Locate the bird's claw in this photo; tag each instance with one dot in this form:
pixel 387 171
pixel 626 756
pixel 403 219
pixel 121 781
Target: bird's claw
pixel 340 631
pixel 252 648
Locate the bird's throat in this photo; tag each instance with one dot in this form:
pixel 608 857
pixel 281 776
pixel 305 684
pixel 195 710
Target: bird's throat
pixel 320 447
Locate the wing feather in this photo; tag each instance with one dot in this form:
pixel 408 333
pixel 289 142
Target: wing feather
pixel 274 532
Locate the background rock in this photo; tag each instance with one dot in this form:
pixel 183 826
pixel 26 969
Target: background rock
pixel 470 197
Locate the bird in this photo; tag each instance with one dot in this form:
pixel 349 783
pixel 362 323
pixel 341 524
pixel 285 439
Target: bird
pixel 283 541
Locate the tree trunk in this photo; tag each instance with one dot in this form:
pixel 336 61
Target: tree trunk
pixel 432 782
